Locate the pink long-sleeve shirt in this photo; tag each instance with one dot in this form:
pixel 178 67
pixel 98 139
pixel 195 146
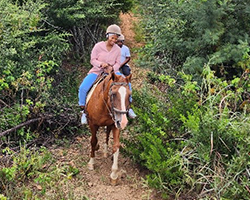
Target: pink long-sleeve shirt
pixel 100 55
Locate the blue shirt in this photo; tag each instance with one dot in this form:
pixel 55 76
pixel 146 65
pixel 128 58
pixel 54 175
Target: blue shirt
pixel 124 53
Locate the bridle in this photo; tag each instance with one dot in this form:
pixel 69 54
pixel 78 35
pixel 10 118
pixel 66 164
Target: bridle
pixel 113 109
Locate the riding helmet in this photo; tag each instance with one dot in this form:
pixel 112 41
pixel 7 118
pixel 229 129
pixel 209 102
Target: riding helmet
pixel 114 29
pixel 121 38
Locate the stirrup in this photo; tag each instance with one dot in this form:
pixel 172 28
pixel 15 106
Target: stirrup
pixel 131 113
pixel 83 118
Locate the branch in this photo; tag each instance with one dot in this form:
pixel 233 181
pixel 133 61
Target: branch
pixel 1 101
pixel 247 189
pixel 53 26
pixel 212 144
pixel 19 126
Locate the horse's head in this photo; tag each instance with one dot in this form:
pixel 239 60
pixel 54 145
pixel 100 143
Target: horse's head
pixel 119 99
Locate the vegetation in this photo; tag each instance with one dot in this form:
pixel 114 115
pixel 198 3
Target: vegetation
pixel 188 34
pixel 85 20
pixel 192 131
pixel 39 40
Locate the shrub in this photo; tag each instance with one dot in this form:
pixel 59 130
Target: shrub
pixel 30 57
pixel 187 34
pixel 33 174
pixel 156 139
pixel 190 138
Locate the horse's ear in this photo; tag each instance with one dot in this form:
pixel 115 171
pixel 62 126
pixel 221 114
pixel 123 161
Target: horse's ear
pixel 128 78
pixel 113 75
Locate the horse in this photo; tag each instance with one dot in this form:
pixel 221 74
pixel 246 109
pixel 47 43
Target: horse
pixel 108 106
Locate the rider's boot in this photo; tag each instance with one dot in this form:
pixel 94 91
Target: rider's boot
pixel 131 113
pixel 83 116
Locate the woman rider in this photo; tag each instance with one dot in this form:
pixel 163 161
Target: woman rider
pixel 104 56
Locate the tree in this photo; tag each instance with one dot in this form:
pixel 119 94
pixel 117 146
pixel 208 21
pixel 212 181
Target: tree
pixel 29 59
pixel 85 20
pixel 186 34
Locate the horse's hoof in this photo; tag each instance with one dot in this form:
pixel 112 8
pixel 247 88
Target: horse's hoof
pixel 114 182
pixel 90 166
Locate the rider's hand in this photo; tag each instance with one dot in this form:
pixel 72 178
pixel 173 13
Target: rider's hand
pixel 104 65
pixel 108 69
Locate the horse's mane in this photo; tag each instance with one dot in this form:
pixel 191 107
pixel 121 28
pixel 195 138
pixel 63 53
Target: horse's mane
pixel 104 85
pixel 106 81
pixel 109 79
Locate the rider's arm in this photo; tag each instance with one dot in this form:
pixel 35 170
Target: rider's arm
pixel 95 53
pixel 125 61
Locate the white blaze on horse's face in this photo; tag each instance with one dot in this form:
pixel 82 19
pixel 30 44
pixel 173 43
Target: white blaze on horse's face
pixel 122 92
pixel 122 118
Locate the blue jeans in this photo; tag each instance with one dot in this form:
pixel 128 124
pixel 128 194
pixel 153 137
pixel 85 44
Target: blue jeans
pixel 86 85
pixel 84 88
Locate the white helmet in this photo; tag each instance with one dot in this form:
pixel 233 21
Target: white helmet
pixel 121 38
pixel 114 29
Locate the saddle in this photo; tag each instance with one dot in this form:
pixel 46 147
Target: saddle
pixel 97 81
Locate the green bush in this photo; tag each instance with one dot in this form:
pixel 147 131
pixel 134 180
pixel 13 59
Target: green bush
pixel 156 140
pixel 190 138
pixel 30 56
pixel 86 20
pixel 220 136
pixel 192 131
pixel 33 174
pixel 187 34
pixel 25 166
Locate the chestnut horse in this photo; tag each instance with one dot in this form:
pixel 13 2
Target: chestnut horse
pixel 108 107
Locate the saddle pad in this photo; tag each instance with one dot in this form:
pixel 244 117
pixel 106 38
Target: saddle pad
pixel 93 88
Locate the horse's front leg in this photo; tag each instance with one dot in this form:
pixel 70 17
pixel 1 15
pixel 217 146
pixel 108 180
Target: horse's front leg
pixel 105 148
pixel 116 146
pixel 94 146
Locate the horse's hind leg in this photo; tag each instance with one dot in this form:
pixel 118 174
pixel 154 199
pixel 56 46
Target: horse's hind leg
pixel 94 146
pixel 116 146
pixel 105 148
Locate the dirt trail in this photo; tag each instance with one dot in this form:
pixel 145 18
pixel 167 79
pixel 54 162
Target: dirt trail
pixel 95 185
pixel 127 25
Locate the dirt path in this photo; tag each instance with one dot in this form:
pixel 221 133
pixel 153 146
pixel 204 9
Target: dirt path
pixel 127 26
pixel 95 185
